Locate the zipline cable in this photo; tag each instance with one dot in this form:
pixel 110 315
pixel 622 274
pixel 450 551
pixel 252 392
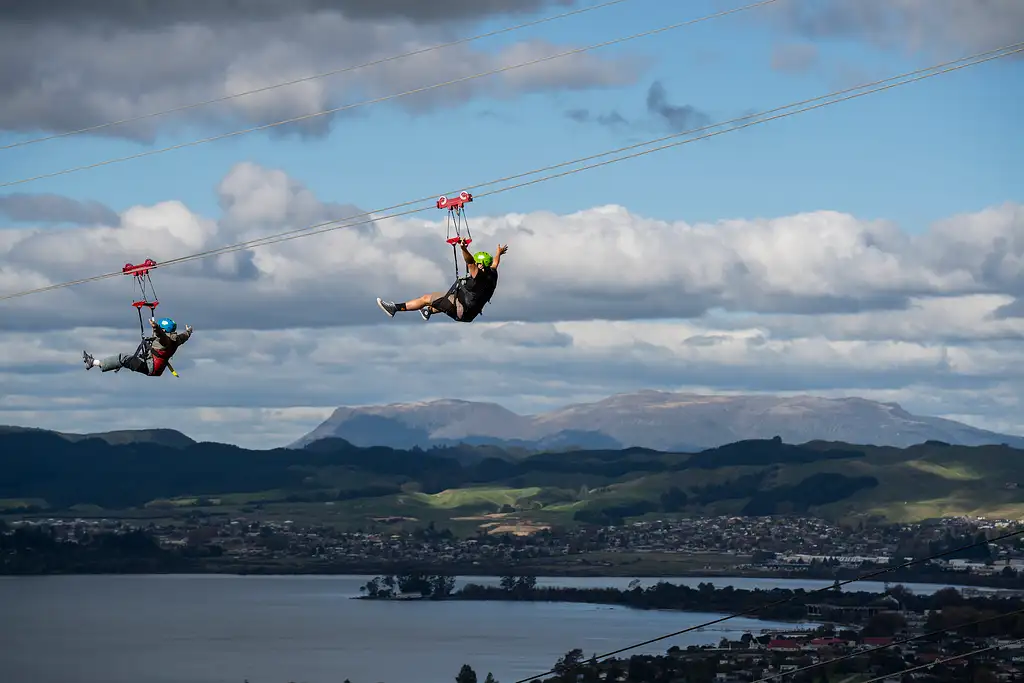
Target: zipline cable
pixel 385 98
pixel 273 239
pixel 304 79
pixel 777 603
pixel 894 643
pixel 333 225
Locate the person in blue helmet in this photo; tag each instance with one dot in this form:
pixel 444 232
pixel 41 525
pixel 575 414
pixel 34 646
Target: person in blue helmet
pixel 466 298
pixel 152 358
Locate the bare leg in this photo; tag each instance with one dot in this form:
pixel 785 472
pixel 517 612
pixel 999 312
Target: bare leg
pixel 416 304
pixel 421 302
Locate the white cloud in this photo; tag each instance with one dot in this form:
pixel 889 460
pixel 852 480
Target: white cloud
pixel 933 25
pixel 588 304
pixel 64 75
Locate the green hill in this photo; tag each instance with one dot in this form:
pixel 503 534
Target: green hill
pixel 163 437
pixel 483 485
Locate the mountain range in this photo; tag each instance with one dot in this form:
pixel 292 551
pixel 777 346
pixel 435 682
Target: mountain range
pixel 657 420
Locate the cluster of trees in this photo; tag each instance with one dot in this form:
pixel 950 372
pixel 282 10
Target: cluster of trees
pixel 467 675
pixel 432 586
pixel 776 604
pixel 38 550
pixel 518 584
pixel 437 586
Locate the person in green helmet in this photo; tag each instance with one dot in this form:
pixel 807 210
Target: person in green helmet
pixel 466 298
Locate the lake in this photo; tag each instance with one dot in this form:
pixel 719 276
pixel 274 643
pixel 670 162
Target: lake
pixel 307 629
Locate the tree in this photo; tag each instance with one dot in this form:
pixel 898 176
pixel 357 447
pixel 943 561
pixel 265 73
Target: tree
pixel 414 583
pixel 567 667
pixel 639 669
pixel 442 586
pixel 372 587
pixel 466 675
pixel 526 583
pixel 490 678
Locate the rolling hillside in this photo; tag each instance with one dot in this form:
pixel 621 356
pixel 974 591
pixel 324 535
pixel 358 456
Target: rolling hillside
pixel 332 479
pixel 649 419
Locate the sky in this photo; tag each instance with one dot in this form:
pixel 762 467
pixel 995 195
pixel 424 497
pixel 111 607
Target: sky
pixel 872 248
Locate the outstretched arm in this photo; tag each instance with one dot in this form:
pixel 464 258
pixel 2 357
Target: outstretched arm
pixel 175 337
pixel 160 334
pixel 182 337
pixel 471 266
pixel 502 248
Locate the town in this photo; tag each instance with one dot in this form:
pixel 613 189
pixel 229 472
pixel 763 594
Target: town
pixel 767 546
pixel 822 655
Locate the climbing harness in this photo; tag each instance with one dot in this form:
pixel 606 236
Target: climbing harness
pixel 456 224
pixel 144 284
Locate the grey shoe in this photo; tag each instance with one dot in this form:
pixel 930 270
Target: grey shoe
pixel 387 306
pixel 425 313
pixel 88 360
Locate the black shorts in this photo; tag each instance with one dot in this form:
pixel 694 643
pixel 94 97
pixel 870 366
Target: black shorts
pixel 453 305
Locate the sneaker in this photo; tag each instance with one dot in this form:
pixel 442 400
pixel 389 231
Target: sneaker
pixel 387 306
pixel 425 313
pixel 88 360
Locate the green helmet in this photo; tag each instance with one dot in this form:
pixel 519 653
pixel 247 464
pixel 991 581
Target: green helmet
pixel 483 258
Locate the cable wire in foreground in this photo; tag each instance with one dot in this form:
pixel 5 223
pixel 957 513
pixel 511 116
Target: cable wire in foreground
pixel 273 239
pixel 777 603
pixel 900 674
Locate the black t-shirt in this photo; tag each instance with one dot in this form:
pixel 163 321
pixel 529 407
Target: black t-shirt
pixel 477 291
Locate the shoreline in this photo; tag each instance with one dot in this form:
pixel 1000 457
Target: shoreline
pixel 639 608
pixel 549 572
pixel 794 605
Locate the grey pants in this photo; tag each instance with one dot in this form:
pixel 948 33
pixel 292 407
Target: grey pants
pixel 129 361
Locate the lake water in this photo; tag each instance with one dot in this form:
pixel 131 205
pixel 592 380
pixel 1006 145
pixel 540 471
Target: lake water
pixel 229 629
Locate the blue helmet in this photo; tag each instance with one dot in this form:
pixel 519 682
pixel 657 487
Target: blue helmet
pixel 167 325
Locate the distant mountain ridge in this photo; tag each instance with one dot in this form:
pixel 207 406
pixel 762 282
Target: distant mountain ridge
pixel 162 437
pixel 657 420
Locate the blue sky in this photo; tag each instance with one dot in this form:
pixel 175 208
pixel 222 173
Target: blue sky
pixel 592 302
pixel 914 154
